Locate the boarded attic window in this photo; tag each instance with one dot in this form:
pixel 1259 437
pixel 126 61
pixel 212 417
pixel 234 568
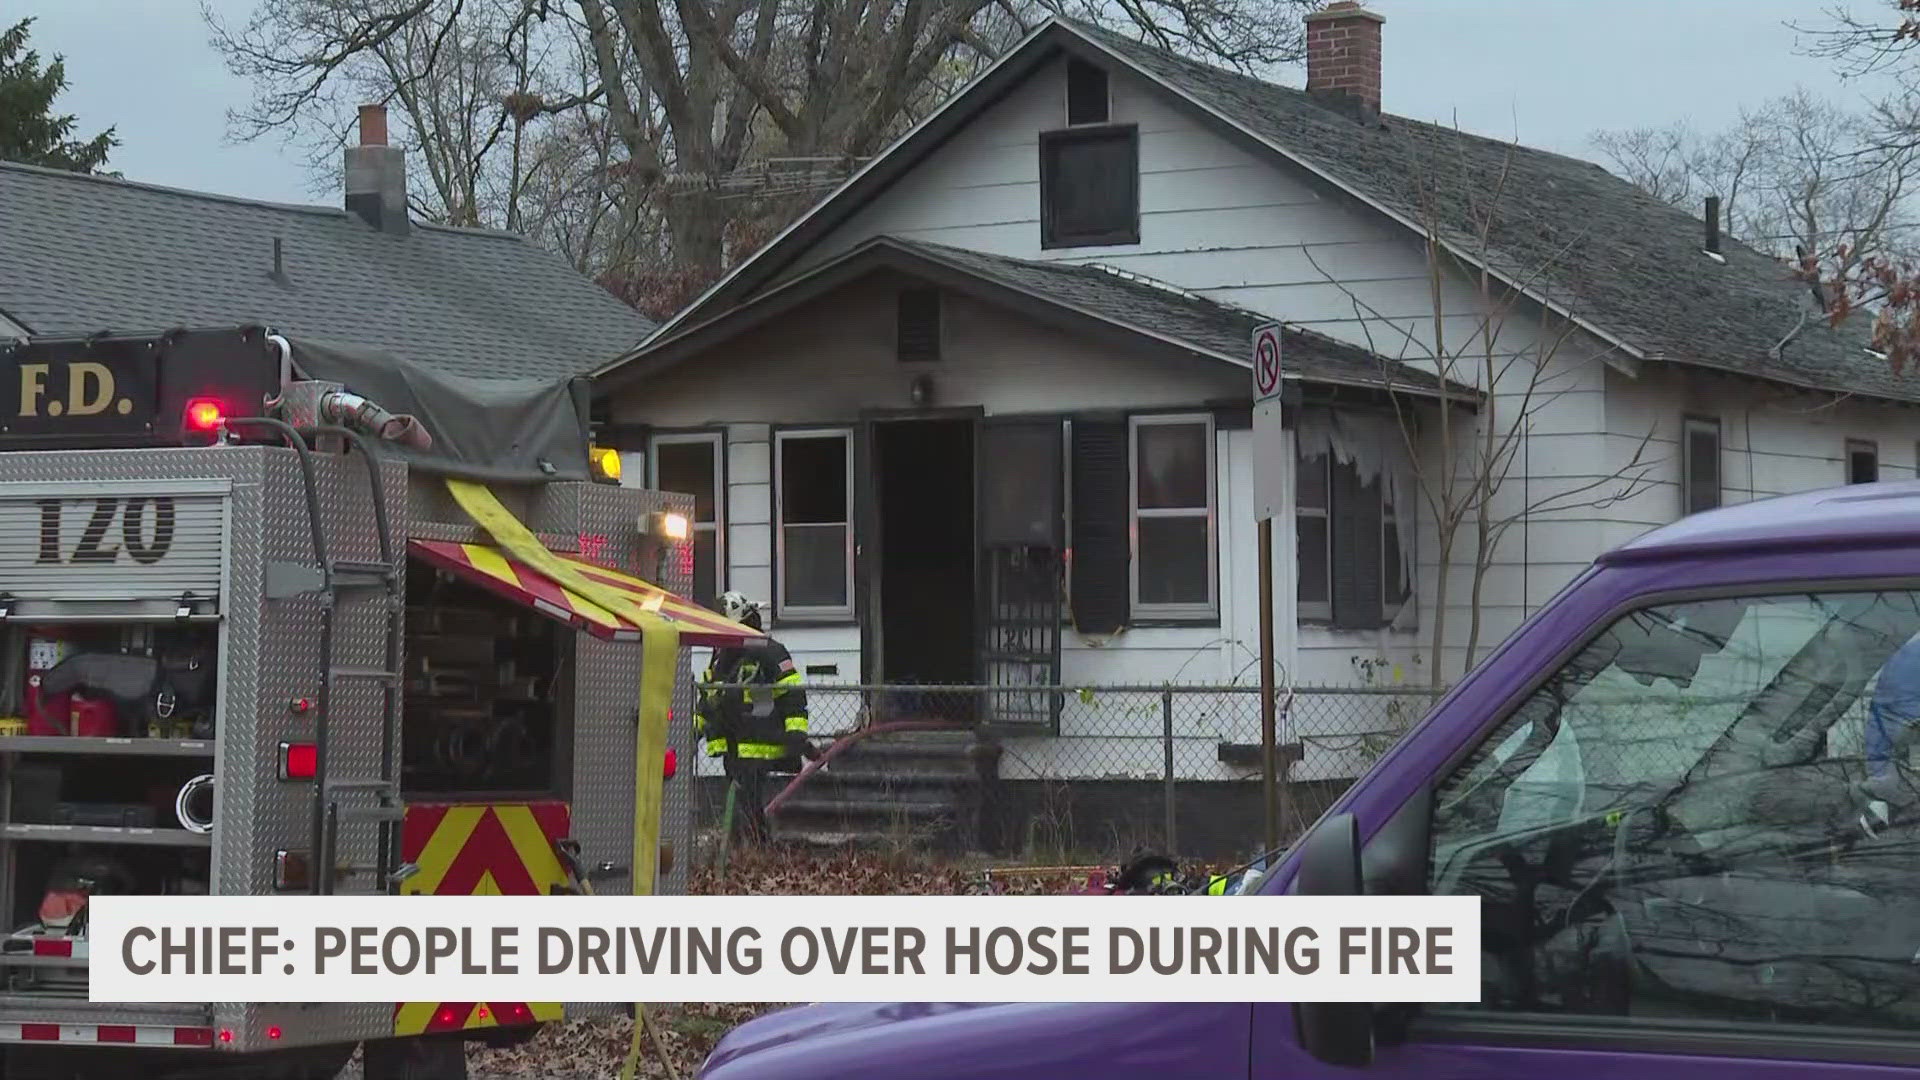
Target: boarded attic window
pixel 1086 93
pixel 917 324
pixel 1090 186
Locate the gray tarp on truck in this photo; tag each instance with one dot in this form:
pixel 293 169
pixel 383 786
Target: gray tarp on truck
pixel 505 429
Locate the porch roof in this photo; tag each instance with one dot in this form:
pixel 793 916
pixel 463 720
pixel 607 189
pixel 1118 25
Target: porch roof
pixel 1081 298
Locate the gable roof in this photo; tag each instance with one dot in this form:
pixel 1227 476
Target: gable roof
pixel 1075 297
pixel 1623 264
pixel 79 254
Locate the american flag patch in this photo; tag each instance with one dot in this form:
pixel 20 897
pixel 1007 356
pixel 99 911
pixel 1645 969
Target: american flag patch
pixel 787 664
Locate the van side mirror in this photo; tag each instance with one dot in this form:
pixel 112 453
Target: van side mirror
pixel 1336 1032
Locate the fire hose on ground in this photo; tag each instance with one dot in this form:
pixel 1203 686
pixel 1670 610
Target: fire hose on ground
pixel 843 742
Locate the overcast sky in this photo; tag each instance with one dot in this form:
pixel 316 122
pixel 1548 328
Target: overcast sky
pixel 1546 71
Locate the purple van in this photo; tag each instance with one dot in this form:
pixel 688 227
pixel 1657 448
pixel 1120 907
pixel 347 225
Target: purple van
pixel 1685 790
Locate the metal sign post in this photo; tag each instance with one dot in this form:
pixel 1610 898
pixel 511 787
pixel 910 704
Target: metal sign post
pixel 1267 481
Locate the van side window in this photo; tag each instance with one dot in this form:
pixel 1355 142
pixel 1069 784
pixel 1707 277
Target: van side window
pixel 1709 814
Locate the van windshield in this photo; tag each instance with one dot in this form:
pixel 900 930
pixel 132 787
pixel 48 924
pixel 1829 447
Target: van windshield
pixel 1710 812
pixel 1678 695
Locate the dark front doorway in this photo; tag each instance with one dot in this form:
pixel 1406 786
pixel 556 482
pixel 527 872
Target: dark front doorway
pixel 923 472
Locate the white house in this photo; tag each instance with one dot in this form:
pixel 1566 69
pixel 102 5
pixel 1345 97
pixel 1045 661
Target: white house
pixel 982 415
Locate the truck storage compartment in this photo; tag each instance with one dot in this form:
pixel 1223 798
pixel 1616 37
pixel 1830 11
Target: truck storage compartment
pixel 43 951
pixel 93 680
pixel 103 723
pixel 484 710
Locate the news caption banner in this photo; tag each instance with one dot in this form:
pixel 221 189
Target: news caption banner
pixel 782 948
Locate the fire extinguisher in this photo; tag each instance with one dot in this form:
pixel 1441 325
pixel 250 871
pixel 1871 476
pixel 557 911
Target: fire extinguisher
pixel 53 715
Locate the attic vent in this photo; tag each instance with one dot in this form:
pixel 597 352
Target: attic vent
pixel 917 324
pixel 1086 93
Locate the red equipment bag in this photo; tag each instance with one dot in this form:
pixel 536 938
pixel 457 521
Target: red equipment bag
pixel 91 718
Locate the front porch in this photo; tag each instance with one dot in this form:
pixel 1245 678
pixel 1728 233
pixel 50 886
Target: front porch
pixel 1173 767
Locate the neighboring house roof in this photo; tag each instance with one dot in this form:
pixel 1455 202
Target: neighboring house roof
pixel 1625 265
pixel 80 254
pixel 1075 297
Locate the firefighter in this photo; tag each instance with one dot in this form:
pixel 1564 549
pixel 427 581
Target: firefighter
pixel 753 715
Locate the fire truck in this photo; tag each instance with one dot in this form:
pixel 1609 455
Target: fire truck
pixel 279 616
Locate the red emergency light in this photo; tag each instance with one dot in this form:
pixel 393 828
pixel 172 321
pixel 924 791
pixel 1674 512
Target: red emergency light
pixel 201 419
pixel 671 763
pixel 299 760
pixel 205 414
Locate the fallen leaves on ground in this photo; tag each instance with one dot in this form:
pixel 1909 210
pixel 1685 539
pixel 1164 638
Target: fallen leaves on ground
pixel 595 1048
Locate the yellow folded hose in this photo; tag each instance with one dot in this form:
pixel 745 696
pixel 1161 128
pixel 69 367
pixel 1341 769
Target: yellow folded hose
pixel 660 651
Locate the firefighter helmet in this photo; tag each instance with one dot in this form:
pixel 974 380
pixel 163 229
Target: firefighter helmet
pixel 735 605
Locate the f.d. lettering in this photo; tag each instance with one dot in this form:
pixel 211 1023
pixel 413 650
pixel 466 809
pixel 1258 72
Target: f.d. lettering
pixel 90 391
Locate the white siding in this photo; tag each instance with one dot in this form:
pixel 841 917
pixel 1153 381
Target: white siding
pixel 1214 218
pixel 1250 231
pixel 828 359
pixel 1774 440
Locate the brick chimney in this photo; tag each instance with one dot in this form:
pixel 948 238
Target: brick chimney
pixel 1343 58
pixel 377 175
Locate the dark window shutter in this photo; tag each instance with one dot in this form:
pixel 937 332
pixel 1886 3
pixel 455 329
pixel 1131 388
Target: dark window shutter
pixel 1086 93
pixel 1101 553
pixel 917 324
pixel 1356 549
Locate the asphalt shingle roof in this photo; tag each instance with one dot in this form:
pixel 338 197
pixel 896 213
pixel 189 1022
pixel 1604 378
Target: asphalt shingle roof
pixel 1610 253
pixel 1185 317
pixel 79 254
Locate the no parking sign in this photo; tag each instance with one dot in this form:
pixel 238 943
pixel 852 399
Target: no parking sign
pixel 1269 441
pixel 1266 362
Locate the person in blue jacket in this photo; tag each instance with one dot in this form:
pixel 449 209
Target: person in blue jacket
pixel 1894 711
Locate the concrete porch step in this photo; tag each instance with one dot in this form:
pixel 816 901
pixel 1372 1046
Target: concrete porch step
pixel 917 780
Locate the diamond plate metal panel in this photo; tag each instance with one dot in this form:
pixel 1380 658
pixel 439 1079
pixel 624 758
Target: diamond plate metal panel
pixel 292 667
pixel 605 720
pixel 22 1009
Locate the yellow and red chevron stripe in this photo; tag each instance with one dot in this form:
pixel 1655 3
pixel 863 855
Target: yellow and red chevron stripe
pixel 500 573
pixel 472 849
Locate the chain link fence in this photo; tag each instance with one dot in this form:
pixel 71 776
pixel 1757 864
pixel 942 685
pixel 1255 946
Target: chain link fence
pixel 1080 771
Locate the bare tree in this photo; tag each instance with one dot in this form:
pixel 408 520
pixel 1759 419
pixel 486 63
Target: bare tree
pixel 710 122
pixel 1881 286
pixel 1513 352
pixel 1796 175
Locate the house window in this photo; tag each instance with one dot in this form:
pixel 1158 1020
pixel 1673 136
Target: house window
pixel 813 514
pixel 1087 101
pixel 1313 529
pixel 1699 464
pixel 1351 570
pixel 917 324
pixel 1396 584
pixel 690 464
pixel 1172 466
pixel 1090 186
pixel 1863 462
